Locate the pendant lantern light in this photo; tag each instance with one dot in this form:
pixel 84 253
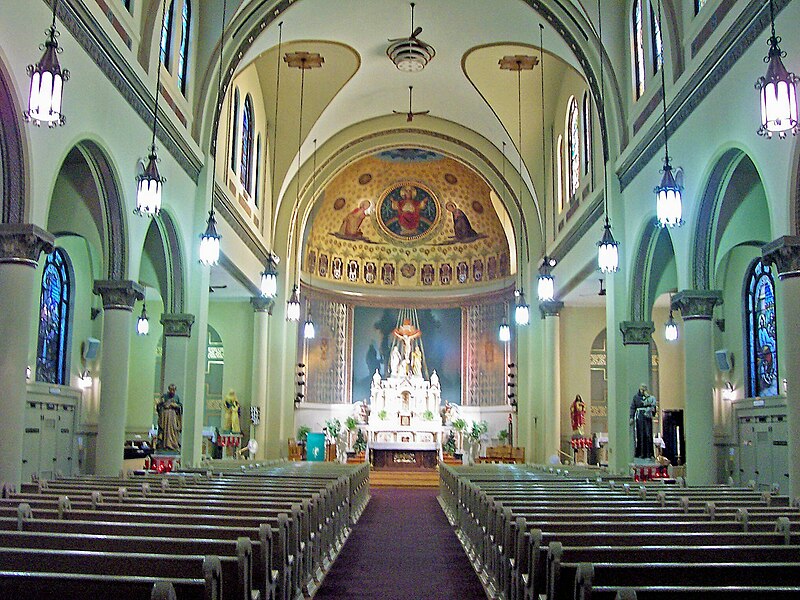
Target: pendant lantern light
pixel 522 312
pixel 607 247
pixel 143 323
pixel 778 90
pixel 308 328
pixel 504 332
pixel 47 82
pixel 149 182
pixel 293 306
pixel 269 278
pixel 669 201
pixel 546 287
pixel 671 329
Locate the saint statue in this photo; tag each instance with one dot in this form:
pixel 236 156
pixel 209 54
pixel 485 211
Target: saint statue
pixel 416 362
pixel 231 417
pixel 170 420
pixel 643 407
pixel 394 361
pixel 577 415
pixel 435 380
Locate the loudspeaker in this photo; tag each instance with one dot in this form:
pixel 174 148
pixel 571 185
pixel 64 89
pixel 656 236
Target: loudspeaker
pixel 724 360
pixel 90 348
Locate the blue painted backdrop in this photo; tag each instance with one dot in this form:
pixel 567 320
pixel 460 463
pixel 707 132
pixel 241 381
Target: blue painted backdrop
pixel 372 341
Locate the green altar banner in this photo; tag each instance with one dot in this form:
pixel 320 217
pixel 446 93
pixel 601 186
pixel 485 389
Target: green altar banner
pixel 315 447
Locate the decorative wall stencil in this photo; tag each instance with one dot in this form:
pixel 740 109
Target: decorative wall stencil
pixel 427 274
pixel 413 226
pixel 369 272
pixel 491 267
pixel 477 270
pixel 336 267
pixel 408 211
pixel 352 270
pixel 408 270
pixel 311 265
pixel 484 356
pixel 462 272
pixel 387 274
pixel 323 265
pixel 445 274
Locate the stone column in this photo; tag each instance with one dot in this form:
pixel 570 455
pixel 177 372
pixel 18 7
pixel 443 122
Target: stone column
pixel 20 248
pixel 636 337
pixel 697 307
pixel 118 297
pixel 177 330
pixel 552 377
pixel 262 309
pixel 785 254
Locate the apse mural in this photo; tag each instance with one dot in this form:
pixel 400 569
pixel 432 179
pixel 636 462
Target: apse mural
pixel 406 218
pixel 372 344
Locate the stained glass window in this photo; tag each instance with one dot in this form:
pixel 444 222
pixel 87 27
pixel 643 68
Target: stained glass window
pixel 698 4
pixel 129 5
pixel 762 339
pixel 166 37
pixel 638 49
pixel 560 173
pixel 656 41
pixel 574 147
pixel 183 54
pixel 587 133
pixel 245 168
pixel 235 132
pixel 257 182
pixel 51 351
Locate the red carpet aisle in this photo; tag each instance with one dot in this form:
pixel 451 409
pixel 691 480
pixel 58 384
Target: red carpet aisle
pixel 403 548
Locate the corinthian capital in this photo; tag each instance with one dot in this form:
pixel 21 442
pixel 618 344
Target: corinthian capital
pixel 23 243
pixel 118 294
pixel 785 254
pixel 696 304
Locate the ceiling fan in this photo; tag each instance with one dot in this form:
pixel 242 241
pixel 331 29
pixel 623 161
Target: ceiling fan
pixel 213 288
pixel 410 54
pixel 410 114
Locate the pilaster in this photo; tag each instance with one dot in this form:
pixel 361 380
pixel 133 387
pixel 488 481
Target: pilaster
pixel 262 309
pixel 551 353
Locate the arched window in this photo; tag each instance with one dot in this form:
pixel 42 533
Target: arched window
pixel 761 339
pixel 166 38
pixel 574 147
pixel 183 51
pixel 257 181
pixel 129 5
pixel 587 133
pixel 560 173
pixel 698 4
pixel 52 347
pixel 235 132
pixel 638 49
pixel 656 40
pixel 245 168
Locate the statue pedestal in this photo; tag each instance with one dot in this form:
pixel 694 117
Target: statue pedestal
pixel 163 462
pixel 648 470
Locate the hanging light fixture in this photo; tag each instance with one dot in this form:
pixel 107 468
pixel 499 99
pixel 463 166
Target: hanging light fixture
pixel 546 287
pixel 308 329
pixel 143 323
pixel 778 90
pixel 522 312
pixel 269 278
pixel 293 306
pixel 607 247
pixel 209 239
pixel 149 182
pixel 669 192
pixel 47 82
pixel 671 328
pixel 504 332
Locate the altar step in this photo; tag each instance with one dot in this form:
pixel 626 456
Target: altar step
pixel 418 478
